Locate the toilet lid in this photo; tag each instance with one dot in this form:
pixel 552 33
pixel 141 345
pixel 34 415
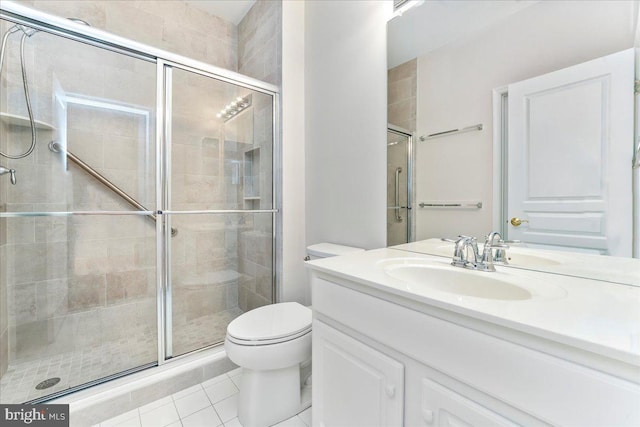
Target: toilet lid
pixel 271 322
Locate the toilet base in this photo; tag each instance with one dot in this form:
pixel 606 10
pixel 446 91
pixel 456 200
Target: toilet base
pixel 269 396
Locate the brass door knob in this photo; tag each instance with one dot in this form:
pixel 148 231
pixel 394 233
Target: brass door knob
pixel 516 222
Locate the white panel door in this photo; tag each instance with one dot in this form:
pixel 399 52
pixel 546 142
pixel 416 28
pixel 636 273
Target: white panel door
pixel 354 384
pixel 569 157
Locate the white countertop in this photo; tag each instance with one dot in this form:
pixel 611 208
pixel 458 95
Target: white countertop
pixel 596 316
pixel 599 267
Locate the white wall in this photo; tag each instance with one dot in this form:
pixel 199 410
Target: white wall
pixel 636 171
pixel 293 285
pixel 346 119
pixel 455 86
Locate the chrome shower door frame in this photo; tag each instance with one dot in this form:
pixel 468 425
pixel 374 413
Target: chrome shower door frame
pixel 410 178
pixel 165 62
pixel 163 188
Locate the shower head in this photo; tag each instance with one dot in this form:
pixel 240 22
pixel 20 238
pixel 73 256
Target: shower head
pixel 79 21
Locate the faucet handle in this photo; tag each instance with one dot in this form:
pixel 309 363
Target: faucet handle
pixel 11 172
pixel 445 239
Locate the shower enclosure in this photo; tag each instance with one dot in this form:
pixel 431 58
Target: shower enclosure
pixel 399 186
pixel 143 220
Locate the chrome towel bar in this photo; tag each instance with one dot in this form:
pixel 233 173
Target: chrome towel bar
pixel 477 205
pixel 479 126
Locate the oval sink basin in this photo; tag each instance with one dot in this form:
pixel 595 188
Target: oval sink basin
pixel 455 280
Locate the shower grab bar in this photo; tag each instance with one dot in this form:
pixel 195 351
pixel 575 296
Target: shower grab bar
pixel 397 198
pixel 57 148
pixel 479 126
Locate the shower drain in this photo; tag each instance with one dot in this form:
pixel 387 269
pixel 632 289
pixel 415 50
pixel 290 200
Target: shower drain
pixel 48 383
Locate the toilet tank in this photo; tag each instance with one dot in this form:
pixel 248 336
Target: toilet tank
pixel 325 250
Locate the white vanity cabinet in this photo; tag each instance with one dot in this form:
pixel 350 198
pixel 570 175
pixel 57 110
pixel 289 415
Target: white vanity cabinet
pixel 443 407
pixel 356 384
pixel 383 360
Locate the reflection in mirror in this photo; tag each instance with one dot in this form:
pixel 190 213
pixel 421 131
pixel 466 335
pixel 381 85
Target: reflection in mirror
pixel 523 113
pixel 399 184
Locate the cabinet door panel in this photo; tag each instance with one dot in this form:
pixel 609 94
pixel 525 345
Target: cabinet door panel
pixel 443 407
pixel 354 384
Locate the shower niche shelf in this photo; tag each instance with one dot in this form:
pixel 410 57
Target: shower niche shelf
pixel 16 120
pixel 251 176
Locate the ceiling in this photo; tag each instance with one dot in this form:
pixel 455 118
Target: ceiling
pixel 229 10
pixel 436 23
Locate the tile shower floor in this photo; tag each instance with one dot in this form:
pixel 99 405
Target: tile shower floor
pixel 210 404
pixel 139 347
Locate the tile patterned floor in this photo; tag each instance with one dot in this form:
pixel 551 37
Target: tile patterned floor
pixel 82 365
pixel 210 404
pixel 77 367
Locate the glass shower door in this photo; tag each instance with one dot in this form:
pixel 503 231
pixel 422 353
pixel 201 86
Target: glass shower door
pixel 93 283
pixel 220 202
pixel 77 262
pixel 398 187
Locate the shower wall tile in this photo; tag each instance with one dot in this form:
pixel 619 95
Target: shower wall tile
pixel 120 255
pixel 40 338
pixel 31 189
pixel 145 252
pixel 23 306
pixel 260 42
pixel 90 11
pixel 4 308
pixel 20 230
pixel 84 143
pixel 264 280
pixel 35 262
pixel 169 25
pixel 133 22
pixel 123 153
pixel 127 285
pixel 89 258
pixel 401 95
pixel 134 87
pixel 209 299
pixel 87 291
pixel 175 38
pixel 51 230
pixel 4 351
pixel 52 298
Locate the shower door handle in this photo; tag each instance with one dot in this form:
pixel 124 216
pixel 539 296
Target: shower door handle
pixel 397 198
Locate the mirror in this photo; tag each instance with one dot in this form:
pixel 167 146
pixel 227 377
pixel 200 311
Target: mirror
pixel 523 120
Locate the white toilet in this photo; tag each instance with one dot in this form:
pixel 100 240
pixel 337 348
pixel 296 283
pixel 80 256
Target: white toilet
pixel 270 343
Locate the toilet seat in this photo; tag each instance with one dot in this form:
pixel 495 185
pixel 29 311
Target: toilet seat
pixel 267 342
pixel 271 324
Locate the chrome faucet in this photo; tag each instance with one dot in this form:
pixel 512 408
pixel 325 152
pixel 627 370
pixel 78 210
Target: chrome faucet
pixel 461 252
pixel 12 172
pixel 487 252
pixel 465 253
